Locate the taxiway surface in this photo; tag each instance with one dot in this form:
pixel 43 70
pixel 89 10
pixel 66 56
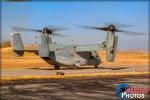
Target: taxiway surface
pixel 91 88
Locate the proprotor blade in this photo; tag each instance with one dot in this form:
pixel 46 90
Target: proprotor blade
pixel 130 33
pixel 118 25
pixel 97 28
pixel 57 34
pixel 45 30
pixel 15 28
pixel 54 28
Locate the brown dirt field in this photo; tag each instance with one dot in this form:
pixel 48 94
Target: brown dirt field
pixel 127 58
pixel 32 60
pixel 28 60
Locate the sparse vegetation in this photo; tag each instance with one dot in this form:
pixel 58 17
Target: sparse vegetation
pixel 5 44
pixel 123 58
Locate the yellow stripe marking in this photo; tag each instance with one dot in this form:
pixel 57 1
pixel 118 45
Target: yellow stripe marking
pixel 6 78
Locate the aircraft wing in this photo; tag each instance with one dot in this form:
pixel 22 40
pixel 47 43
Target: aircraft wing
pixel 88 47
pixel 29 50
pixel 32 50
pixel 92 47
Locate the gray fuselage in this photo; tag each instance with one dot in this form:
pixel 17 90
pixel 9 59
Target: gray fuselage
pixel 73 58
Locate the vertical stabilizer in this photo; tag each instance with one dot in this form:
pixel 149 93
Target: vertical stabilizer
pixel 17 45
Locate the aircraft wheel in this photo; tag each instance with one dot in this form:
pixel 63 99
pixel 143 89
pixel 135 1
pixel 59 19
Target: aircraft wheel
pixel 56 67
pixel 96 66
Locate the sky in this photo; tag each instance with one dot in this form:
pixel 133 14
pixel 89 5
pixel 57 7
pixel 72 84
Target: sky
pixel 70 15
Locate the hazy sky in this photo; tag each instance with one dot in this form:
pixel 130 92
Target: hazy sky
pixel 36 15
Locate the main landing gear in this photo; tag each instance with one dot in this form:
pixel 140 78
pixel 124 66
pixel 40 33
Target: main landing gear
pixel 96 66
pixel 56 67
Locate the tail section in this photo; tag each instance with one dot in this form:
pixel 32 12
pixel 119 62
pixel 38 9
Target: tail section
pixel 17 45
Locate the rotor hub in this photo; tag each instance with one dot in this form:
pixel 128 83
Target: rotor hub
pixel 111 28
pixel 47 31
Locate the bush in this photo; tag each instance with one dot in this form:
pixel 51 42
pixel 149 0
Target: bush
pixel 5 44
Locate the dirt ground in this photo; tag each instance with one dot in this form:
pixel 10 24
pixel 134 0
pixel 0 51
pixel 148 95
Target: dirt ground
pixel 32 60
pixel 93 88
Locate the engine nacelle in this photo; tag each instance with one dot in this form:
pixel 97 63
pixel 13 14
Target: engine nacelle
pixel 111 47
pixel 44 46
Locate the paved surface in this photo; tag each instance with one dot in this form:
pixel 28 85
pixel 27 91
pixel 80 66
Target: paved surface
pixel 33 71
pixel 87 88
pixel 93 88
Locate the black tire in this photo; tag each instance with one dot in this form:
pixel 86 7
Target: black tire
pixel 60 73
pixel 96 66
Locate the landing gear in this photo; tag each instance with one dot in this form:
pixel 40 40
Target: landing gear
pixel 56 67
pixel 96 66
pixel 75 66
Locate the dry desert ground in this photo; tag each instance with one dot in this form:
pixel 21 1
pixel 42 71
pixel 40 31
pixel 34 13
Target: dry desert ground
pixel 123 58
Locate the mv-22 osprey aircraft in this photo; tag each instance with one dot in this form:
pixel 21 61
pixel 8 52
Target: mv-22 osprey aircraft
pixel 70 55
